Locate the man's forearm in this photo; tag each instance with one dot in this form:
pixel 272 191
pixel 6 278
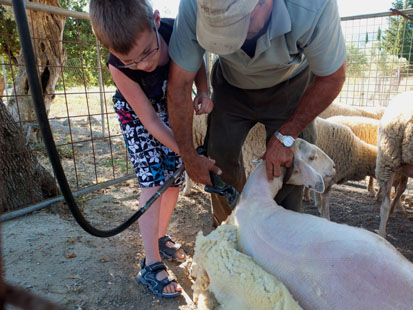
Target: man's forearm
pixel 318 96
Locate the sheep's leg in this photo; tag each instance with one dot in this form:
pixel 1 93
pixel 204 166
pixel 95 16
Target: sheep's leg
pixel 317 202
pixel 379 194
pixel 306 196
pixel 370 187
pixel 325 203
pixel 188 185
pixel 385 206
pixel 322 202
pixel 400 188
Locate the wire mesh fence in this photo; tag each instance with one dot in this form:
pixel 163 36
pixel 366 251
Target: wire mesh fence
pixel 78 95
pixel 78 91
pixel 379 62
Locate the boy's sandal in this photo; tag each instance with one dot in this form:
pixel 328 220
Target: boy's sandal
pixel 170 252
pixel 147 276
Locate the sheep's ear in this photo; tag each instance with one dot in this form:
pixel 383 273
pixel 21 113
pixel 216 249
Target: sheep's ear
pixel 304 174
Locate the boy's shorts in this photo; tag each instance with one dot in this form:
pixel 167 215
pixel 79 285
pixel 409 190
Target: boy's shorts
pixel 153 162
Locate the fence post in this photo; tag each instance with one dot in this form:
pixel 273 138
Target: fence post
pixel 100 86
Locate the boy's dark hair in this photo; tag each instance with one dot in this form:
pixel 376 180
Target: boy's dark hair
pixel 118 23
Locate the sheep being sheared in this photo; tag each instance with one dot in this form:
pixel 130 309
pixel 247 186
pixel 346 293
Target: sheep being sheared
pixel 325 265
pixel 234 279
pixel 395 150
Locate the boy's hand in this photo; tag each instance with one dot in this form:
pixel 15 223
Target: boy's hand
pixel 202 103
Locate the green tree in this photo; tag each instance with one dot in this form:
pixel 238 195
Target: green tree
pixel 9 42
pixel 356 61
pixel 80 46
pixel 397 40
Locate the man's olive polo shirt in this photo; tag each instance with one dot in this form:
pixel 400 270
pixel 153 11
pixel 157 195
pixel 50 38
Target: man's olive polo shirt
pixel 300 33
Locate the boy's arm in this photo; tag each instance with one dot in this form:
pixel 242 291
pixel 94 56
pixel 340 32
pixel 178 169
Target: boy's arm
pixel 202 101
pixel 140 104
pixel 201 80
pixel 180 116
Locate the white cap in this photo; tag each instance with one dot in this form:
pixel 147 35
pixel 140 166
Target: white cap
pixel 222 25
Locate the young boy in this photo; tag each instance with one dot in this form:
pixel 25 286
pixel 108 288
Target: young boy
pixel 137 39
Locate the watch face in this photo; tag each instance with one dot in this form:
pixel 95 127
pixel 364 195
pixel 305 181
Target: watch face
pixel 288 141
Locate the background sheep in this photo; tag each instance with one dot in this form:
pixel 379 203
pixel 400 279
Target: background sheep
pixel 354 158
pixel 366 129
pixel 395 149
pixel 346 110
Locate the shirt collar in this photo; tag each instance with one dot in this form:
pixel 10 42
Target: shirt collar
pixel 280 19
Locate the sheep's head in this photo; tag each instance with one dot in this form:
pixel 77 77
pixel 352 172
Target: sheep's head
pixel 312 167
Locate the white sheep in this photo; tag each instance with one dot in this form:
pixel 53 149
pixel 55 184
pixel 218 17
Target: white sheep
pixel 325 265
pixel 337 108
pixel 236 281
pixel 354 158
pixel 366 129
pixel 395 150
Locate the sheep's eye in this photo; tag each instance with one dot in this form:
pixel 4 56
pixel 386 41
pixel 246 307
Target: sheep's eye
pixel 311 158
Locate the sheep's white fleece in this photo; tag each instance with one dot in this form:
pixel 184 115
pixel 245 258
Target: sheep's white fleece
pixel 236 281
pixel 363 127
pixel 337 108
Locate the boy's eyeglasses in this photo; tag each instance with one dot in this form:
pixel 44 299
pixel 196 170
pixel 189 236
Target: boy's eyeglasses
pixel 146 57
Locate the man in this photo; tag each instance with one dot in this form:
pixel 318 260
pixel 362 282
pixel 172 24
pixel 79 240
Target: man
pixel 281 63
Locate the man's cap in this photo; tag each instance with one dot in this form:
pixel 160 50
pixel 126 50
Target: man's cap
pixel 222 25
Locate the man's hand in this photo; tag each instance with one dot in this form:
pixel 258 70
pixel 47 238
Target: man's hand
pixel 275 156
pixel 198 168
pixel 202 103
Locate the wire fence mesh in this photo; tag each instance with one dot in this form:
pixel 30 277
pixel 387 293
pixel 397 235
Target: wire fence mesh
pixel 379 59
pixel 84 125
pixel 83 122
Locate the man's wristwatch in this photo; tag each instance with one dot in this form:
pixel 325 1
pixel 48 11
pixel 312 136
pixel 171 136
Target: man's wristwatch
pixel 287 141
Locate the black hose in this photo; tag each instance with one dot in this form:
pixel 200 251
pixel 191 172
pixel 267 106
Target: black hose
pixel 37 96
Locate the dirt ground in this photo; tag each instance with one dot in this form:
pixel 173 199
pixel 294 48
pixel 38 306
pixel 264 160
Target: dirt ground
pixel 48 253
